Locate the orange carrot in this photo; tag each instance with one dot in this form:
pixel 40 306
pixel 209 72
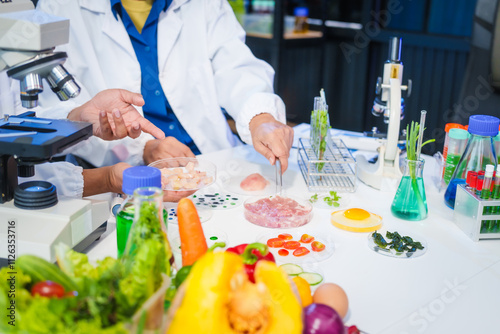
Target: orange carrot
pixel 193 242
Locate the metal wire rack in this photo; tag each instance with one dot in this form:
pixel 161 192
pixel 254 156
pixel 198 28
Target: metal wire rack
pixel 336 171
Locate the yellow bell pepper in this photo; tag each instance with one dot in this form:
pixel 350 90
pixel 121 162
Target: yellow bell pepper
pixel 218 298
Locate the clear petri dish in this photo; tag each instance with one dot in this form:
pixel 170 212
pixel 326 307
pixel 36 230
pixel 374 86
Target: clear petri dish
pixel 356 220
pixel 286 253
pixel 387 251
pixel 185 174
pixel 277 211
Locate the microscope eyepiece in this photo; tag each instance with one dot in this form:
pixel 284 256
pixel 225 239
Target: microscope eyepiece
pixel 395 49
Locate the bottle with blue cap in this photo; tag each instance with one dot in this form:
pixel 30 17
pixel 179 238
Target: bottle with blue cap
pixel 133 178
pixel 301 25
pixel 478 153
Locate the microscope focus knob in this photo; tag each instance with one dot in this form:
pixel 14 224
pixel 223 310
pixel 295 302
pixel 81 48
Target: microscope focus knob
pixel 25 170
pixel 408 90
pixel 378 86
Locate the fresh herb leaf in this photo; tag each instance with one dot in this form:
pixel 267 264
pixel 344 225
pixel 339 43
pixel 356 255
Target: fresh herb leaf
pixel 314 198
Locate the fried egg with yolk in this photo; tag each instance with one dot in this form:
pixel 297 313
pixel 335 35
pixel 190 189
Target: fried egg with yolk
pixel 356 220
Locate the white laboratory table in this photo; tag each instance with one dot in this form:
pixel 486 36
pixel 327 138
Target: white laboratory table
pixel 453 288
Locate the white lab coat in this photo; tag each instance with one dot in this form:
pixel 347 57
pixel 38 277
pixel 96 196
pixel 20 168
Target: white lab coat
pixel 203 61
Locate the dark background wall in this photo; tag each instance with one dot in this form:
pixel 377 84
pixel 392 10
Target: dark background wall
pixel 347 61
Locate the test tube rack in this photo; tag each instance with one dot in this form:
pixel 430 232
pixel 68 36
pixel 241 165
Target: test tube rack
pixel 473 213
pixel 335 171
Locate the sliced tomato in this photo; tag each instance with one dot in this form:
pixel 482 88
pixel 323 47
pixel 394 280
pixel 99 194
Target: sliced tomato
pixel 301 251
pixel 317 246
pixel 48 289
pixel 292 244
pixel 283 252
pixel 306 238
pixel 285 236
pixel 275 242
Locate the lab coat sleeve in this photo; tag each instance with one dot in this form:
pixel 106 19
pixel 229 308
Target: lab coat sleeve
pixel 102 153
pixel 67 177
pixel 244 83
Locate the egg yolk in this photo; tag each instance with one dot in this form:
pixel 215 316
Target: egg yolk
pixel 356 214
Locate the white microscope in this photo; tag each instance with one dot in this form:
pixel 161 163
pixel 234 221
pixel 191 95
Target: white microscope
pixel 386 173
pixel 31 212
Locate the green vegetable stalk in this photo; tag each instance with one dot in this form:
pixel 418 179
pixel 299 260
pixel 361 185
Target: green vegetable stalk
pixel 412 138
pixel 319 133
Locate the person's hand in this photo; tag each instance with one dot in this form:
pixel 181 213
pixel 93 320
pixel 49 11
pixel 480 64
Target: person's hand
pixel 115 177
pixel 272 139
pixel 168 147
pixel 176 196
pixel 113 115
pixel 103 179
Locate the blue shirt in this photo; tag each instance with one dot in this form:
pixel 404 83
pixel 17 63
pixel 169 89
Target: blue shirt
pixel 157 109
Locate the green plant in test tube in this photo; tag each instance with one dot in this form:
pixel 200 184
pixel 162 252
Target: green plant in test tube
pixel 320 125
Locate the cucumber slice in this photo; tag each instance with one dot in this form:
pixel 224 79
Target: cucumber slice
pixel 312 278
pixel 292 269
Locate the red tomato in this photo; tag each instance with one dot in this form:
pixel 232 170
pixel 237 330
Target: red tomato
pixel 292 244
pixel 48 289
pixel 301 251
pixel 283 252
pixel 306 238
pixel 317 246
pixel 275 242
pixel 285 236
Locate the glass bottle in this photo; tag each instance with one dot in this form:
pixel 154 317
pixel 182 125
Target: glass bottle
pixel 301 25
pixel 133 178
pixel 478 153
pixel 410 202
pixel 148 229
pixel 496 143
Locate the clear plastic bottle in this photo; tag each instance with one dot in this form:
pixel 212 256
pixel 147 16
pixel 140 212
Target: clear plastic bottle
pixel 148 251
pixel 148 225
pixel 456 147
pixel 447 129
pixel 133 178
pixel 478 153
